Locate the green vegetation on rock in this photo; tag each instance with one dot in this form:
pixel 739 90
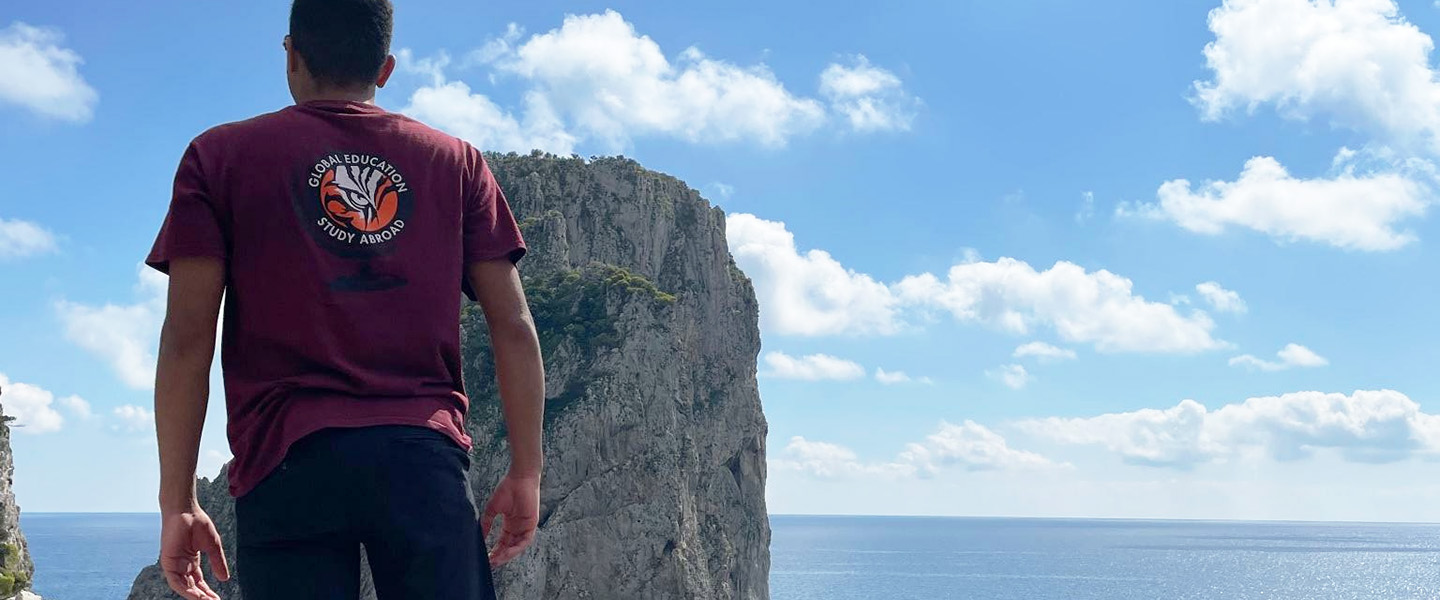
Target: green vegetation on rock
pixel 13 577
pixel 575 313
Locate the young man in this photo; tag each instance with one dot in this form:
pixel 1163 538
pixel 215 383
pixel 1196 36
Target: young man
pixel 341 237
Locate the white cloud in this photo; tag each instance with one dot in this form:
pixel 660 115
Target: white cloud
pixel 453 107
pixel 134 418
pixel 869 97
pixel 1097 307
pixel 596 79
pixel 894 377
pixel 611 83
pixel 211 460
pixel 812 367
pixel 1221 299
pixel 826 460
pixel 723 189
pixel 124 335
pixel 1043 351
pixel 1013 376
pixel 1087 208
pixel 1292 355
pixel 1358 63
pixel 1347 210
pixel 1366 426
pixel 810 293
pixel 77 406
pixel 39 74
pixel 814 294
pixel 30 405
pixel 21 239
pixel 968 446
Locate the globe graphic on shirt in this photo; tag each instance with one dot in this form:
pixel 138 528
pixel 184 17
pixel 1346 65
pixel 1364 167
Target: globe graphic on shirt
pixel 359 197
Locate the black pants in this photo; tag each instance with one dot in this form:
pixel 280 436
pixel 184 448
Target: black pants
pixel 400 491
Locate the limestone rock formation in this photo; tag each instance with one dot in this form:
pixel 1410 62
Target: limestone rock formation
pixel 655 439
pixel 16 569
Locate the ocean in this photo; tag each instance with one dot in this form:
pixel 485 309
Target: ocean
pixel 96 556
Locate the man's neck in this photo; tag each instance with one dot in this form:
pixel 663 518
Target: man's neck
pixel 335 95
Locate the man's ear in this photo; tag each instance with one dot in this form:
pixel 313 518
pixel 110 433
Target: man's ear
pixel 385 71
pixel 292 58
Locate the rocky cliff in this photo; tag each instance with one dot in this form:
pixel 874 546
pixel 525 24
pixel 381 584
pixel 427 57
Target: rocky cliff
pixel 655 440
pixel 16 569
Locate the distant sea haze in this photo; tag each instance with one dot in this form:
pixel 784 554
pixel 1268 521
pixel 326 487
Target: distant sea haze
pixel 96 557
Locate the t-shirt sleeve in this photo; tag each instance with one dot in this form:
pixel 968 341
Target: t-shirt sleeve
pixel 489 229
pixel 195 224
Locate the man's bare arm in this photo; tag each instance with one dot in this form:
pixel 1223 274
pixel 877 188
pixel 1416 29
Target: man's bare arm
pixel 518 364
pixel 521 373
pixel 182 391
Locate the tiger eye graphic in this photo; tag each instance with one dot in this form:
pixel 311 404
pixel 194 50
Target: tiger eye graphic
pixel 359 197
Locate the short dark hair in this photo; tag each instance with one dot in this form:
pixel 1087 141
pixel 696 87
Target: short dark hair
pixel 343 42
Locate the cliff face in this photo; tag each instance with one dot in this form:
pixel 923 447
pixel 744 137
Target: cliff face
pixel 655 439
pixel 16 569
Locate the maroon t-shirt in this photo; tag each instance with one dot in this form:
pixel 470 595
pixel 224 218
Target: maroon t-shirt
pixel 345 230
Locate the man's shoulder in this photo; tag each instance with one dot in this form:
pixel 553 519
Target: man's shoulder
pixel 422 133
pixel 226 133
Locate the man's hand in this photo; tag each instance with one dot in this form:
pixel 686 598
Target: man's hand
pixel 183 536
pixel 521 374
pixel 517 502
pixel 182 390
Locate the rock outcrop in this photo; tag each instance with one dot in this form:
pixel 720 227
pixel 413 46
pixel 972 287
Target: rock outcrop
pixel 16 569
pixel 655 439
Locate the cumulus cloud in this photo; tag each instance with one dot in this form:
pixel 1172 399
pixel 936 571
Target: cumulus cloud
pixel 868 97
pixel 968 446
pixel 894 377
pixel 1013 376
pixel 826 460
pixel 1221 299
pixel 77 406
pixel 1292 355
pixel 32 406
pixel 1356 211
pixel 809 293
pixel 1087 208
pixel 1043 351
pixel 1366 426
pixel 814 294
pixel 123 335
pixel 812 367
pixel 22 239
pixel 1355 63
pixel 41 75
pixel 1096 307
pixel 133 418
pixel 211 460
pixel 596 79
pixel 450 105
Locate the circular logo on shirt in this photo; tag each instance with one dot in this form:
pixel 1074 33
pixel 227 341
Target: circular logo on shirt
pixel 356 202
pixel 360 198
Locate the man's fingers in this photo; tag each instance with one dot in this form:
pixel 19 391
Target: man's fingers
pixel 178 586
pixel 177 574
pixel 216 551
pixel 487 519
pixel 512 543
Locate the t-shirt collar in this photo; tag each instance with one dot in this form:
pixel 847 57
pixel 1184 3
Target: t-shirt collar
pixel 342 106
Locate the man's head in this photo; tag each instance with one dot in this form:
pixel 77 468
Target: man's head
pixel 339 48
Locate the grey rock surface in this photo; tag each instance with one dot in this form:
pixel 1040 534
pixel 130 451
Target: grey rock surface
pixel 655 440
pixel 17 571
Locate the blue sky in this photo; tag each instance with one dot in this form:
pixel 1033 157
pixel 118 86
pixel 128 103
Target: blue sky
pixel 1132 259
